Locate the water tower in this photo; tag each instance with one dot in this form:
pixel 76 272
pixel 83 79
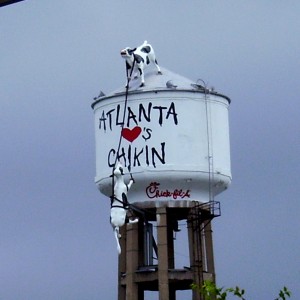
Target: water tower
pixel 172 136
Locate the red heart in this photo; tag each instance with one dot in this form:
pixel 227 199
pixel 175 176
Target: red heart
pixel 131 134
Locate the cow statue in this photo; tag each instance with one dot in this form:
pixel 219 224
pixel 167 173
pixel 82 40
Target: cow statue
pixel 138 58
pixel 119 203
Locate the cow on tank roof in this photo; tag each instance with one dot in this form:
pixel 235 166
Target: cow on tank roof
pixel 137 59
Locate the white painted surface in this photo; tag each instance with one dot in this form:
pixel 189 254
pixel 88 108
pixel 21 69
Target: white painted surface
pixel 165 142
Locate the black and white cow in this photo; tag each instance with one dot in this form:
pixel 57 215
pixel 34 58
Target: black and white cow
pixel 139 58
pixel 119 203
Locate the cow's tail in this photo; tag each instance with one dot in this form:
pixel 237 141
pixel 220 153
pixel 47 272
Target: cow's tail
pixel 117 236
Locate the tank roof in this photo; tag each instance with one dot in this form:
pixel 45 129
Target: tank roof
pixel 166 81
pixel 154 81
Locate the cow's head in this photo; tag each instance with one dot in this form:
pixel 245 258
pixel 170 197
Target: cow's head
pixel 118 169
pixel 127 52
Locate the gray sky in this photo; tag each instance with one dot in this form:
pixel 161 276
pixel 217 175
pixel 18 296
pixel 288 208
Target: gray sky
pixel 55 238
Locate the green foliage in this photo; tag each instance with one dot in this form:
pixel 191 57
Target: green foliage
pixel 210 291
pixel 283 294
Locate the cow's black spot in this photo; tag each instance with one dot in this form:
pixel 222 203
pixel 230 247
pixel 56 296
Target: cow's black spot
pixel 130 51
pixel 124 200
pixel 146 49
pixel 128 66
pixel 138 58
pixel 148 60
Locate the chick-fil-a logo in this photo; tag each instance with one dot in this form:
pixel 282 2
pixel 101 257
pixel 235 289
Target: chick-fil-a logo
pixel 153 191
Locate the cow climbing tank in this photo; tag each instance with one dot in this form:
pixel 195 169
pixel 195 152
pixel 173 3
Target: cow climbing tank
pixel 171 136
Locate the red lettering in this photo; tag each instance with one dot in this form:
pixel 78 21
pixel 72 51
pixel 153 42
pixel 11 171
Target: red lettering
pixel 153 191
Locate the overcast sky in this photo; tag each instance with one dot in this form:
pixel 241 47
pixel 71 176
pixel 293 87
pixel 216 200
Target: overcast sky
pixel 55 238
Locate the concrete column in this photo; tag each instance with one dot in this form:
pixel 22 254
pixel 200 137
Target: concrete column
pixel 132 254
pixel 209 250
pixel 122 264
pixel 170 234
pixel 194 234
pixel 162 245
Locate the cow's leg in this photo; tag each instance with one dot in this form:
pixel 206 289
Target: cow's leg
pixel 158 68
pixel 128 67
pixel 142 77
pixel 132 221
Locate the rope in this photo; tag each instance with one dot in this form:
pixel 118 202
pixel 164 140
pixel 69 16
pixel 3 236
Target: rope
pixel 128 205
pixel 122 127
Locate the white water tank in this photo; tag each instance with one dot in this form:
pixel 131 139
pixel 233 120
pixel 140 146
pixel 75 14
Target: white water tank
pixel 174 140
